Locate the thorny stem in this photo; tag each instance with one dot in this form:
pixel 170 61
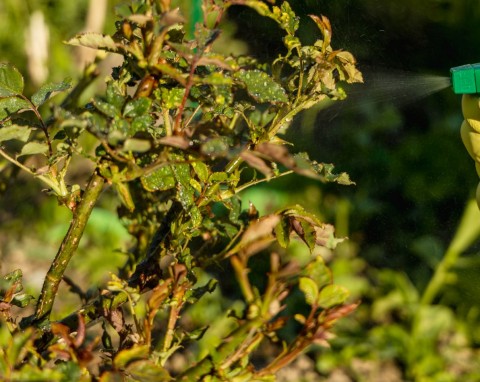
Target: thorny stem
pixel 68 247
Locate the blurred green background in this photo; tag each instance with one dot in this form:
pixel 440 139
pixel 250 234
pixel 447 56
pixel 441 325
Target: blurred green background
pixel 413 176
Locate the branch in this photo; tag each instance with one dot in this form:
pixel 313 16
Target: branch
pixel 68 248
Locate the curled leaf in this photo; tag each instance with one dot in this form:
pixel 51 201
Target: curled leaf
pixel 48 90
pixel 323 24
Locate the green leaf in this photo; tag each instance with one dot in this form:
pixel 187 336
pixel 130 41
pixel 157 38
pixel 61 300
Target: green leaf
pixel 106 108
pixel 170 98
pixel 332 295
pixel 137 107
pixel 11 105
pixel 218 177
pixel 142 123
pixel 209 287
pixel 202 170
pixel 22 300
pixel 282 232
pixel 261 86
pixel 11 81
pixel 125 196
pixel 309 234
pixel 94 40
pixel 128 356
pixel 217 79
pixel 309 289
pixel 34 148
pixel 286 18
pixel 319 272
pixel 21 133
pixel 292 42
pixel 159 180
pixel 20 340
pixel 71 371
pixel 137 145
pixel 185 192
pixel 34 373
pixel 47 91
pixel 196 185
pixel 147 371
pixel 260 7
pixel 114 95
pixel 324 171
pixel 195 216
pixel 14 276
pixel 112 376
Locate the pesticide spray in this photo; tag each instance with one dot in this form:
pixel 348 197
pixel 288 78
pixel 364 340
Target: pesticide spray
pixel 466 81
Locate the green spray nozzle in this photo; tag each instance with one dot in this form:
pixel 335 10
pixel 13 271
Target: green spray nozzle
pixel 466 79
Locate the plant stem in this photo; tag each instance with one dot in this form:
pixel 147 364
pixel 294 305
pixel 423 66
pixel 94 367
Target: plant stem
pixel 166 122
pixel 467 232
pixel 68 247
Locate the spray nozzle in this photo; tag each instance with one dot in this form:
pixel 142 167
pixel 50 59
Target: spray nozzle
pixel 466 79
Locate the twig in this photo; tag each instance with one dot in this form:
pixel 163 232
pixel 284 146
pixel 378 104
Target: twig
pixel 49 182
pixel 188 87
pixel 42 123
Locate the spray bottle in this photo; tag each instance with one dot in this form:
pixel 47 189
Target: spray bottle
pixel 466 81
